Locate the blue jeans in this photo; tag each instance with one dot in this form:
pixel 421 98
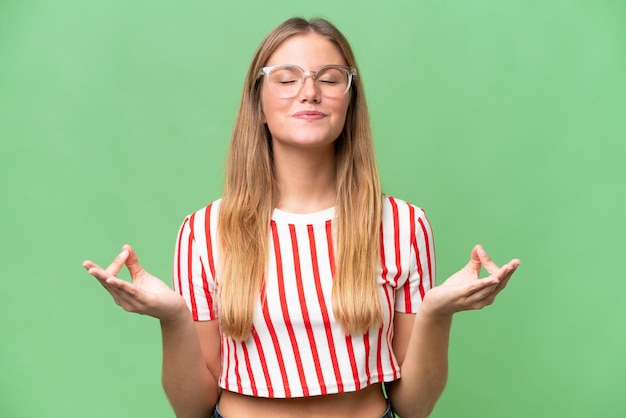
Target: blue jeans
pixel 388 413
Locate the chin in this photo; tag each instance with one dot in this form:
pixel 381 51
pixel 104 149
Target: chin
pixel 315 142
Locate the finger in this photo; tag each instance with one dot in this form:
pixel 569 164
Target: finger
pixel 125 294
pixel 479 285
pixel 482 297
pixel 102 276
pixel 121 288
pixel 506 270
pixel 484 292
pixel 118 262
pixel 510 268
pixel 98 272
pixel 87 264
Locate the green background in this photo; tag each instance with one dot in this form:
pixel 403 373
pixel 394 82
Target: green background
pixel 505 119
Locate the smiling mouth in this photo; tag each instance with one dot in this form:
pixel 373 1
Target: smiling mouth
pixel 309 115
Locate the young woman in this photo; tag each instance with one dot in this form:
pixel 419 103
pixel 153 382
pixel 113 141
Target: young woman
pixel 304 289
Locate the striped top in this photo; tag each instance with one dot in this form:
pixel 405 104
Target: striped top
pixel 297 348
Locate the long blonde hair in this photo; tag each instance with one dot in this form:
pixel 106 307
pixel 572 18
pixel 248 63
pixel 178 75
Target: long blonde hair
pixel 251 193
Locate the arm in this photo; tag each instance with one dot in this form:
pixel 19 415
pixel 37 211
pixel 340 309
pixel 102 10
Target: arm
pixel 421 340
pixel 190 370
pixel 188 367
pixel 421 345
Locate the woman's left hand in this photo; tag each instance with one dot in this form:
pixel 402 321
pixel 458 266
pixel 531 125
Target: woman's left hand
pixel 463 291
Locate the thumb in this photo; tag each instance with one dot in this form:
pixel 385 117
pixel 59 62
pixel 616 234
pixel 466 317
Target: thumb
pixel 132 262
pixel 474 263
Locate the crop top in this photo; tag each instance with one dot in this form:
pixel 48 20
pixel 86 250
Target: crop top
pixel 297 348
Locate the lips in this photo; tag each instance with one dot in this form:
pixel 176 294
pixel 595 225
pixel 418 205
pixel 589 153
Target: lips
pixel 309 115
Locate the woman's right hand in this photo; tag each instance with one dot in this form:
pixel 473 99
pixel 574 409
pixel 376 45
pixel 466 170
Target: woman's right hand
pixel 146 295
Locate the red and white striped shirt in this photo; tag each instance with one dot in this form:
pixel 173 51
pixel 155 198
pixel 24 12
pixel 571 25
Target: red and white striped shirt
pixel 297 348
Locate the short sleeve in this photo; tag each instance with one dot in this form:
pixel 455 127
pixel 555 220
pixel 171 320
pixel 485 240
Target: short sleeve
pixel 193 268
pixel 421 274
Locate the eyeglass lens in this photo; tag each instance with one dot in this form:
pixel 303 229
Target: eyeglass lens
pixel 286 81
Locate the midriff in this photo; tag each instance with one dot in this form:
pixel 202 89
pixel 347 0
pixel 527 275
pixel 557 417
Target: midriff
pixel 366 403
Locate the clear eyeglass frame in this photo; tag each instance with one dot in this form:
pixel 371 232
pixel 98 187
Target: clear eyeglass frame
pixel 350 73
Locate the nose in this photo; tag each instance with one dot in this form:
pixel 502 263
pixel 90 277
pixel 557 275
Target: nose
pixel 309 91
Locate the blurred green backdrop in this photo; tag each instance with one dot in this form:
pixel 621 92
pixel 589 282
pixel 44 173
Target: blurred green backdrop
pixel 506 120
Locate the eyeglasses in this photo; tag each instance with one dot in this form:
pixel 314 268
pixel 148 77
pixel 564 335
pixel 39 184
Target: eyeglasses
pixel 286 81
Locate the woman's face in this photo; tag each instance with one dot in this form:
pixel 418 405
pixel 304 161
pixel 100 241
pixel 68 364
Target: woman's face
pixel 308 120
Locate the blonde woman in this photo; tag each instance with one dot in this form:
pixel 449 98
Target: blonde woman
pixel 304 290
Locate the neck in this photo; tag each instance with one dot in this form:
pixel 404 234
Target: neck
pixel 306 179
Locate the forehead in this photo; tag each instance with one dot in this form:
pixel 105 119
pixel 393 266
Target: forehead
pixel 308 51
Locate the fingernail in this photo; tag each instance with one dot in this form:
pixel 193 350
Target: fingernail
pixel 124 253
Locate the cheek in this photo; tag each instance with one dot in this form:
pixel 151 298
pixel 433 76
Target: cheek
pixel 344 114
pixel 269 108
